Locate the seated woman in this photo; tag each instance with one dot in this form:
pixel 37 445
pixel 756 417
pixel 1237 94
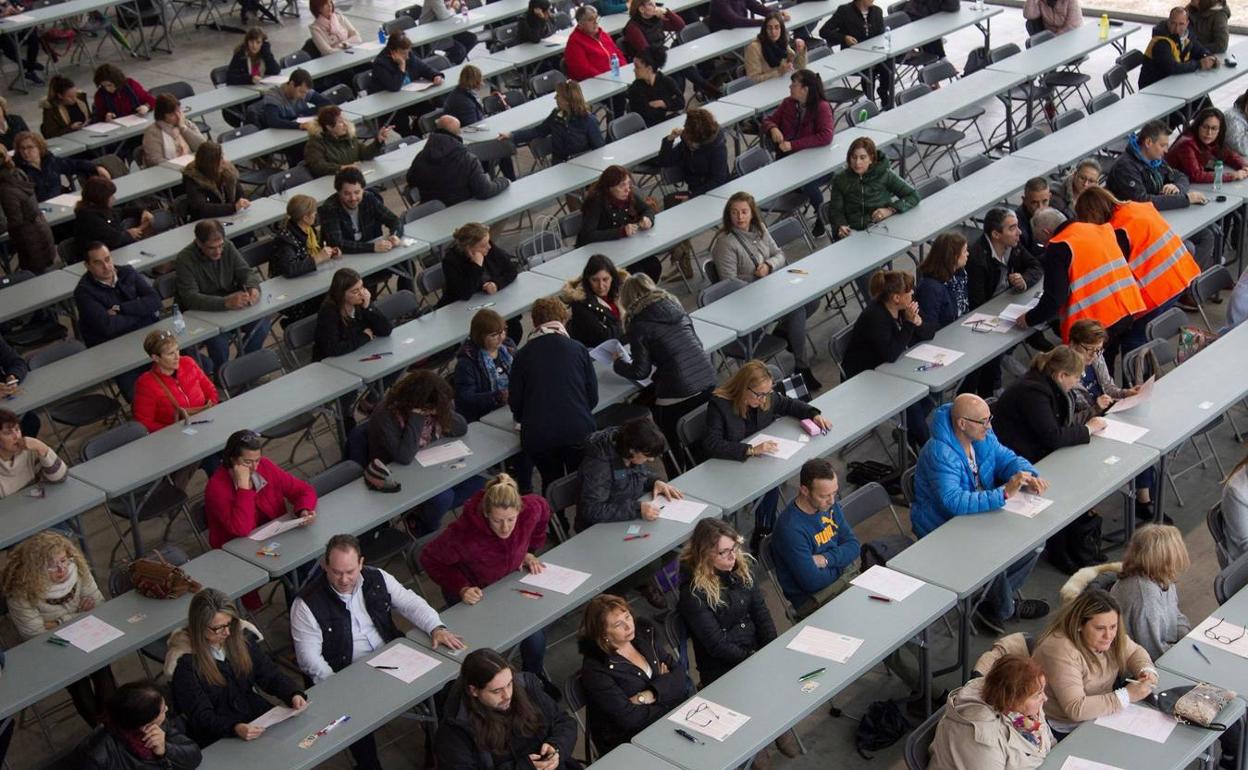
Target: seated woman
pixel 11 124
pixel 648 26
pixel 212 187
pixel 496 718
pixel 172 135
pixel 744 405
pixel 483 366
pixel 221 671
pixel 498 533
pixel 48 584
pixel 772 54
pixel 744 250
pixel 802 121
pixel 1034 415
pixel 31 155
pixel 1201 145
pixel 572 128
pixel 174 389
pixel 474 263
pixel 249 490
pixel 1084 652
pixel 417 411
pixel 332 144
pixel 347 319
pixel 117 96
pixel 1147 589
pixel 139 734
pixel 64 109
pixel 1086 174
pixel 298 250
pixel 942 288
pixel 630 679
pixel 465 105
pixel 331 31
pixel 867 191
pixel 653 94
pixel 95 219
pixel 537 23
pixel 699 150
pixel 995 721
pixel 24 459
pixel 615 209
pixel 253 60
pixel 1235 510
pixel 594 300
pixel 29 233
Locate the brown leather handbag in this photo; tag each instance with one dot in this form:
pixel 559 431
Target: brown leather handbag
pixel 156 578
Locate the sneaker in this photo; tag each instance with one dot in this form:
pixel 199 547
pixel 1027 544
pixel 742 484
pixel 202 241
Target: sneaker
pixel 1030 609
pixel 788 745
pixel 988 623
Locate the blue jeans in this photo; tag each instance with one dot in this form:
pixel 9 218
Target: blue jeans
pixel 254 335
pixel 429 513
pixel 998 602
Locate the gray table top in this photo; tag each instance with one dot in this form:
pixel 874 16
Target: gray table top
pixel 764 96
pixel 713 336
pixel 912 117
pixel 853 407
pixel 167 450
pixel 1063 49
pixel 1114 748
pixel 765 686
pixel 138 184
pixel 1225 669
pixel 63 147
pixel 626 756
pixel 380 170
pixel 1087 136
pixel 263 142
pixel 1192 219
pixel 1192 86
pixel 37 293
pixel 645 145
pixel 36 669
pixel 340 694
pixel 966 552
pixel 379 103
pixel 535 111
pixel 22 515
pixel 978 347
pixel 920 32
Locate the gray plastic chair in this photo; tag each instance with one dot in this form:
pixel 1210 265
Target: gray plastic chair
pixel 1217 530
pixel 574 696
pixel 429 282
pixel 1207 285
pixel 1231 579
pixel 919 741
pixel 398 307
pixel 691 431
pixel 241 374
pixel 77 411
pixel 562 494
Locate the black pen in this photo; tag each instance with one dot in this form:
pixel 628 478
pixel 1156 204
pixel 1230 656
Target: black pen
pixel 683 733
pixel 387 668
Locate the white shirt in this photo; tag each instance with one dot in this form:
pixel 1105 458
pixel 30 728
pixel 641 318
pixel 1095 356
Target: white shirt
pixel 306 632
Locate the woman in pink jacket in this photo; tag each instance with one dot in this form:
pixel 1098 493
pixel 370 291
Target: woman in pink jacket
pixel 1056 16
pixel 249 490
pixel 803 120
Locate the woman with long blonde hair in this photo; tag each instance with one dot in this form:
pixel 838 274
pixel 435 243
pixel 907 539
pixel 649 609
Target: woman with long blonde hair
pixel 1147 587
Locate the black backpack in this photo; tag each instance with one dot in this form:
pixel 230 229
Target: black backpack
pixel 881 727
pixel 881 550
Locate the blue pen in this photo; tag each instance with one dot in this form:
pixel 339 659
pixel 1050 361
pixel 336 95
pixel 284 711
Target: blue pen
pixel 1202 655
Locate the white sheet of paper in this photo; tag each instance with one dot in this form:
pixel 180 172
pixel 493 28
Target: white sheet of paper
pixel 563 580
pixel 100 128
pixel 559 38
pixel 933 354
pixel 1116 430
pixel 1146 392
pixel 64 199
pixel 984 322
pixel 1140 721
pixel 1225 630
pixel 1013 311
pixel 183 160
pixel 409 663
pixel 131 121
pixel 442 453
pixel 305 119
pixel 18 18
pixel 274 716
pixel 89 634
pixel 887 582
pixel 417 86
pixel 824 644
pixel 680 510
pixel 606 352
pixel 1079 763
pixel 708 718
pixel 1027 504
pixel 277 526
pixel 274 80
pixel 786 448
pixel 369 45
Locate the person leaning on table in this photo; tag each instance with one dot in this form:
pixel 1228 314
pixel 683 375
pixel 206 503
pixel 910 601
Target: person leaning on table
pixel 174 388
pixel 249 490
pixel 25 460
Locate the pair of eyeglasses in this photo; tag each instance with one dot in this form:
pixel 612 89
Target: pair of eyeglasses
pixel 701 716
pixel 220 628
pixel 984 326
pixel 985 422
pixel 759 395
pixel 724 554
pixel 1211 633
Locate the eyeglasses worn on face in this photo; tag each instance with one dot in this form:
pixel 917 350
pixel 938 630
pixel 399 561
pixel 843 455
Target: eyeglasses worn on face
pixel 759 395
pixel 985 422
pixel 220 628
pixel 726 552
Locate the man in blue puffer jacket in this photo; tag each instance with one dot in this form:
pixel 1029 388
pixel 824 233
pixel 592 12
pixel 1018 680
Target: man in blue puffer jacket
pixel 963 469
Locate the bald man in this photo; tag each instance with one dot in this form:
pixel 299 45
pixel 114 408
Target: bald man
pixel 964 470
pixel 1172 51
pixel 446 171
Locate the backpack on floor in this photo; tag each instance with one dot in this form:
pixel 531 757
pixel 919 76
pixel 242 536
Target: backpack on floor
pixel 863 472
pixel 881 727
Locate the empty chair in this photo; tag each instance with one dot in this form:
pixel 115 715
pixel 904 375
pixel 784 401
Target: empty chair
pixel 76 411
pixel 241 374
pixel 970 166
pixel 930 186
pixel 545 83
pixel 1205 288
pixel 1102 100
pixel 1069 117
pixel 295 59
pixel 919 741
pixel 1028 136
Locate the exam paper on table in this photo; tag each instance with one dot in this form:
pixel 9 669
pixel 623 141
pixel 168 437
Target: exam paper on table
pixel 409 663
pixel 417 86
pixel 887 582
pixel 607 352
pixel 131 121
pixel 1026 504
pixel 708 718
pixel 64 199
pixel 986 322
pixel 824 644
pixel 273 80
pixel 182 160
pixel 367 46
pixel 1079 763
pixel 555 578
pixel 1116 430
pixel 100 128
pixel 1013 311
pixel 274 716
pixel 679 510
pixel 1226 630
pixel 442 453
pixel 785 448
pixel 89 634
pixel 1123 404
pixel 1140 721
pixel 283 523
pixel 933 354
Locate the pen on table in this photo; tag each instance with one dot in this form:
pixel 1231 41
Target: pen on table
pixel 534 594
pixel 642 536
pixel 1201 653
pixel 58 641
pixel 884 599
pixel 387 668
pixel 683 733
pixel 333 724
pixel 146 254
pixel 812 674
pixel 200 422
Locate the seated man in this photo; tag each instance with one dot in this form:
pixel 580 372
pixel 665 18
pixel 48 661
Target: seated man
pixel 964 470
pixel 615 474
pixel 213 276
pixel 1172 51
pixel 25 460
pixel 281 107
pixel 346 612
pixel 444 170
pixel 352 219
pixel 13 369
pixel 813 548
pixel 1036 196
pixel 113 301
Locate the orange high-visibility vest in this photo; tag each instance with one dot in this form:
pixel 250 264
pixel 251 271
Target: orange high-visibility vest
pixel 1101 284
pixel 1161 264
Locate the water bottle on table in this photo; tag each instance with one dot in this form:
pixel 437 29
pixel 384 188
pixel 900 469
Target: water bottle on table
pixel 179 323
pixel 1217 176
pixel 615 66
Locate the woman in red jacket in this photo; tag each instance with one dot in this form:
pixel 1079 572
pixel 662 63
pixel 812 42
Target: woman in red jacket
pixel 589 47
pixel 803 120
pixel 1202 144
pixel 174 389
pixel 499 532
pixel 117 96
pixel 249 490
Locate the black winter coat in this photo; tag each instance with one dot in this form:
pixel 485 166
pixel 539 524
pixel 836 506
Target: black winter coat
pixel 610 680
pixel 1131 179
pixel 11 363
pixel 95 224
pixel 338 336
pixel 464 105
pixel 465 278
pixel 641 93
pixel 878 338
pixel 592 323
pixel 847 22
pixel 554 390
pixel 292 259
pixel 205 199
pixel 569 135
pixel 103 749
pixel 610 490
pixel 725 635
pixel 532 29
pixel 47 178
pixel 602 221
pixel 475 396
pixel 388 77
pixel 1034 417
pixel 239 72
pixel 446 171
pixel 660 336
pixel 29 231
pixel 372 213
pixel 726 432
pixel 918 9
pixel 984 272
pixel 133 294
pixel 705 165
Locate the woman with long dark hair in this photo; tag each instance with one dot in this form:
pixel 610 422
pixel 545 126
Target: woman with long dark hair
pixel 802 121
pixel 212 186
pixel 1202 144
pixel 139 734
pixel 253 60
pixel 95 219
pixel 594 299
pixel 942 289
pixel 774 53
pixel 614 208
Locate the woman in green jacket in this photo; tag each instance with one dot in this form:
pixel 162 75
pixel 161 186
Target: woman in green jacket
pixel 332 144
pixel 867 191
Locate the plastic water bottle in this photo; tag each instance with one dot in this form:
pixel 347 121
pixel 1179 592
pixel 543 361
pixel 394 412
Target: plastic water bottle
pixel 1104 30
pixel 179 323
pixel 381 34
pixel 888 38
pixel 1217 176
pixel 615 66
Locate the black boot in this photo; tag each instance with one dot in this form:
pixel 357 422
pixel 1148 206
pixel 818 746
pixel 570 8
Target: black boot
pixel 808 377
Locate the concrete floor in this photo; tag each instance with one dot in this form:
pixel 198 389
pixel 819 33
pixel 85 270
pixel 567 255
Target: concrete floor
pixel 829 740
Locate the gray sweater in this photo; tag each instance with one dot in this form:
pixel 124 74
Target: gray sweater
pixel 1151 614
pixel 737 254
pixel 1235 512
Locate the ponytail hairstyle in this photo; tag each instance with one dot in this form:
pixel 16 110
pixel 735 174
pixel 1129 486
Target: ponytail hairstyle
pixel 814 85
pixel 1096 205
pixel 886 283
pixel 502 491
pixel 1060 360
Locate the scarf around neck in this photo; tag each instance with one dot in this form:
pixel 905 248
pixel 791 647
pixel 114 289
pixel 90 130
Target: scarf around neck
pixel 550 327
pixel 774 52
pixel 57 592
pixel 1133 144
pixel 499 380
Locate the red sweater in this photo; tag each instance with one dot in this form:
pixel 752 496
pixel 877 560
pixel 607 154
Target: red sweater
pixel 190 386
pixel 468 553
pixel 813 131
pixel 124 101
pixel 588 57
pixel 1196 159
pixel 235 513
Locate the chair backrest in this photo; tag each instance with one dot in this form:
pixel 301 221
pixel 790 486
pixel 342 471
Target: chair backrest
pixel 971 165
pixel 752 160
pixel 625 125
pixel 1043 36
pixel 1137 361
pixel 437 62
pixel 818 50
pixel 863 109
pixel 786 231
pixel 570 225
pixel 938 72
pixel 237 133
pixel 1166 325
pixel 574 696
pixel 505 35
pixel 166 285
pixel 919 742
pixel 864 502
pixel 54 352
pixel 541 243
pixel 768 563
pixel 112 438
pixel 912 93
pixel 398 306
pixel 335 476
pixel 738 84
pixel 1102 100
pixel 179 88
pixel 1217 530
pixel 691 428
pixel 1003 52
pixel 399 24
pixel 838 346
pixel 240 374
pixel 563 493
pixel 1232 578
pixel 218 74
pixel 284 180
pixel 363 82
pixel 339 94
pixel 718 291
pixel 430 281
pixel 422 210
pixel 1028 136
pixel 1067 118
pixel 297 338
pixel 1213 280
pixel 1130 60
pixel 294 59
pixel 907 484
pixel 427 122
pixel 930 186
pixel 259 252
pixel 1114 77
pixel 896 19
pixel 545 82
pixel 693 31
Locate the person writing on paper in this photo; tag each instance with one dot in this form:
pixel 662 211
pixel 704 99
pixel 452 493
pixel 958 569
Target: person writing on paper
pixel 965 470
pixel 212 185
pixel 995 721
pixel 346 612
pixel 331 31
pixel 594 299
pixel 64 108
pixel 743 406
pixel 249 489
pixel 497 718
pixel 45 170
pixel 615 208
pixel 220 672
pixel 1034 416
pixel 253 60
pixel 813 547
pixel 282 107
pixel 474 263
pixel 616 474
pixel 25 460
pixel 942 287
pixel 333 146
pixel 353 218
pixel 139 734
pixel 48 584
pixel 117 96
pixel 499 532
pixel 629 676
pixel 1147 589
pixel 1084 651
pixel 171 135
pixel 174 389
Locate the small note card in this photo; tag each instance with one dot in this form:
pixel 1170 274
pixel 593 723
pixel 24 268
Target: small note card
pixel 442 453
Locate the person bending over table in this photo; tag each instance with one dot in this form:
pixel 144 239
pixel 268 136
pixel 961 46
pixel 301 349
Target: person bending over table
pixel 474 263
pixel 614 208
pixel 250 490
pixel 965 470
pixel 629 676
pixel 171 135
pixel 24 459
pixel 497 718
pixel 212 186
pixel 333 146
pixel 594 299
pixel 346 612
pixel 220 671
pixel 352 219
pixel 498 533
pixel 174 389
pixel 803 121
pixel 96 219
pixel 281 107
pixel 995 721
pixel 537 23
pixel 13 369
pixel 942 288
pixel 48 584
pixel 252 60
pixel 117 96
pixel 331 31
pixel 572 128
pixel 744 405
pixel 139 734
pixel 31 154
pixel 1084 652
pixel 397 65
pixel 64 109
